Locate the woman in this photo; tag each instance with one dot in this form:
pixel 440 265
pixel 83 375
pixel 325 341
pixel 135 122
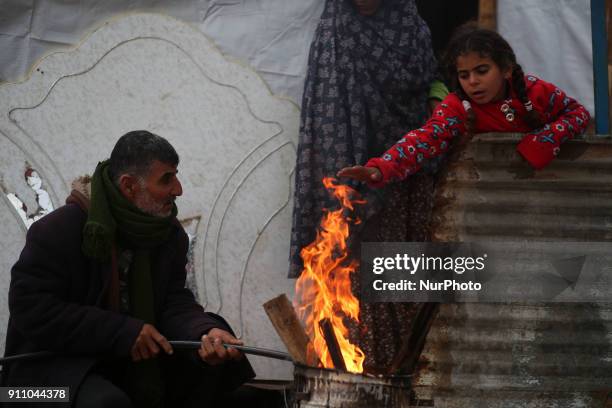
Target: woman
pixel 370 67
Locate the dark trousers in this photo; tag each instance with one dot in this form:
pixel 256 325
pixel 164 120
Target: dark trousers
pixel 96 391
pixel 187 383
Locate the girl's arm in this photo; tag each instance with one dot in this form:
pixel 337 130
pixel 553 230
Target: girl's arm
pixel 565 119
pixel 408 155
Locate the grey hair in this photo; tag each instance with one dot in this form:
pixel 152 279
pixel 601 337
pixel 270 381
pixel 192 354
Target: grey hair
pixel 135 151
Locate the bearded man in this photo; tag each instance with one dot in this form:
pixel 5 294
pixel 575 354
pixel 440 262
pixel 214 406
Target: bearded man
pixel 101 284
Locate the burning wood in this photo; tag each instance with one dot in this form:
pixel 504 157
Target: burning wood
pixel 332 344
pixel 323 291
pixel 285 321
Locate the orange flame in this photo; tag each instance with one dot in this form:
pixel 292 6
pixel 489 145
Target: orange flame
pixel 324 287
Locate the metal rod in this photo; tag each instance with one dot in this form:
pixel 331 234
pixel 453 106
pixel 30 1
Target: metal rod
pixel 179 344
pixel 26 356
pixel 257 351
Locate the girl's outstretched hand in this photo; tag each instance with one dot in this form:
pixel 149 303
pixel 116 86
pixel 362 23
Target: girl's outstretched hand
pixel 361 173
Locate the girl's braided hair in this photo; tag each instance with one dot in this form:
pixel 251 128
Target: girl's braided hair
pixel 486 43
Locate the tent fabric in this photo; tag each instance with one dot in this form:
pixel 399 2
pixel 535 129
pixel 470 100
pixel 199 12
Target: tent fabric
pixel 552 38
pixel 272 36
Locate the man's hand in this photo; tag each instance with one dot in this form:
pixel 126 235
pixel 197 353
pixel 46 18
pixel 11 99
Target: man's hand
pixel 361 173
pixel 148 342
pixel 212 350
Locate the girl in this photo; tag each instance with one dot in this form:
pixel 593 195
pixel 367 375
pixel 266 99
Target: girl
pixel 491 94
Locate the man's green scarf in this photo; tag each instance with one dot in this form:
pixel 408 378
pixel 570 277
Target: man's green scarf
pixel 113 221
pixel 113 217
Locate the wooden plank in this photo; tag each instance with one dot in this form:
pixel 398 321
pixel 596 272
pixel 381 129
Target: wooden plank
pixel 487 14
pixel 290 330
pixel 332 344
pixel 412 346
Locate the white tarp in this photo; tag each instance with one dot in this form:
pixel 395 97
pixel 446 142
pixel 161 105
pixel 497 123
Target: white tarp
pixel 272 36
pixel 552 38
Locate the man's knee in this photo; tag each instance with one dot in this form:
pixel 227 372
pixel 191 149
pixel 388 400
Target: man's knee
pixel 98 392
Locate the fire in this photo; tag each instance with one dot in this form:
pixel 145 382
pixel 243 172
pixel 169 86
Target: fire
pixel 324 287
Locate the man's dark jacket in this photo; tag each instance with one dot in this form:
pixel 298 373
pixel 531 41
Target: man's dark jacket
pixel 58 302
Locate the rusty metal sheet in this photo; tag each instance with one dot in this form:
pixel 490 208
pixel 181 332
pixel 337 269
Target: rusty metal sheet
pixel 521 355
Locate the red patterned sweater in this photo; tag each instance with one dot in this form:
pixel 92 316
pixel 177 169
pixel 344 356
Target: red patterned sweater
pixel 565 118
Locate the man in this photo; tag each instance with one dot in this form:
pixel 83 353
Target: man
pixel 101 282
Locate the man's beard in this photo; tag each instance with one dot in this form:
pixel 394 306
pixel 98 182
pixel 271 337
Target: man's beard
pixel 148 205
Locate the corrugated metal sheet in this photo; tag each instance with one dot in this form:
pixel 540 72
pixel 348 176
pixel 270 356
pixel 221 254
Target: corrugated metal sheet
pixel 522 355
